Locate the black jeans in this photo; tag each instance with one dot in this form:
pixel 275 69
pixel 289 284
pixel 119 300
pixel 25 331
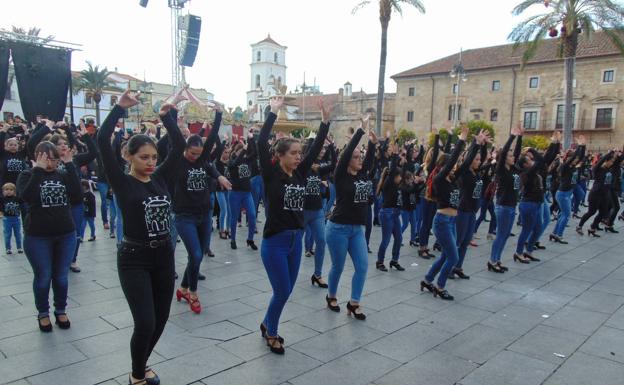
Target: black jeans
pixel 147 280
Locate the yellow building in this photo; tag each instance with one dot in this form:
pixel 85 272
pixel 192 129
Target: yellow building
pixel 498 90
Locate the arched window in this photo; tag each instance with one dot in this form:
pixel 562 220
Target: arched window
pixel 258 56
pixel 257 81
pixel 275 57
pixel 494 115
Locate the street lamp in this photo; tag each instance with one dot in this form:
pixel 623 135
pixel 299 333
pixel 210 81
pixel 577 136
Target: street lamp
pixel 458 72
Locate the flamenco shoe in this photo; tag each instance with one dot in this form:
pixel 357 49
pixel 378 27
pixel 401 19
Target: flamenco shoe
pixel 395 264
pixel 443 294
pixel 331 306
pixel 519 258
pixel 425 285
pixel 252 245
pixel 317 280
pixel 263 331
pixel 592 232
pixel 494 268
pixel 353 310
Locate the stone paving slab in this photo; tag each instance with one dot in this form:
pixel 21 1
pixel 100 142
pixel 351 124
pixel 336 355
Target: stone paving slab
pixel 556 322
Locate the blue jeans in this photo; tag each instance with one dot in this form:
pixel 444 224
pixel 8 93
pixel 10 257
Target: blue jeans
pixel 530 215
pixel 281 256
pixel 368 228
pixel 543 220
pixel 210 212
pixel 505 217
pixel 377 204
pixel 103 190
pixel 579 196
pixel 78 217
pixel 113 215
pixel 332 198
pixel 428 212
pixel 340 240
pixel 91 222
pixel 486 206
pixel 12 226
pixel 194 230
pixel 411 218
pixel 564 199
pixel 444 228
pixel 257 190
pixel 225 216
pixel 119 223
pixel 243 199
pixel 390 227
pixel 465 226
pixel 50 258
pixel 315 220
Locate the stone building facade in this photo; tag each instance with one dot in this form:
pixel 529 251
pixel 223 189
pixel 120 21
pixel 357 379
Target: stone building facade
pixel 499 90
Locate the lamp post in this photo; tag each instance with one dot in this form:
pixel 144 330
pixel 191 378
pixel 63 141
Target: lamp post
pixel 458 72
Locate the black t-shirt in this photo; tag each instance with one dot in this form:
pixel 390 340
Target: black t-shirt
pixel 471 189
pixel 352 191
pixel 48 195
pixel 240 172
pixel 192 187
pixel 532 183
pixel 145 206
pixel 285 195
pixel 445 192
pixel 10 206
pixel 508 180
pixel 410 195
pixel 314 186
pixel 89 204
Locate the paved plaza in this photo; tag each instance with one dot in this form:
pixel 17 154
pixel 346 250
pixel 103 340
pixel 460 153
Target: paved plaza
pixel 556 322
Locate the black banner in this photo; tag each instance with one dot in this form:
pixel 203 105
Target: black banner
pixel 43 76
pixel 4 70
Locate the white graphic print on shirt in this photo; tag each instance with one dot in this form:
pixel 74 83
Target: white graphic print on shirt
pixel 244 171
pixel 574 179
pixel 516 179
pixel 412 198
pixel 454 198
pixel 14 165
pixel 11 209
pixel 61 167
pixel 197 179
pixel 476 193
pixel 363 190
pixel 294 197
pixel 313 185
pixel 400 199
pixel 52 194
pixel 157 215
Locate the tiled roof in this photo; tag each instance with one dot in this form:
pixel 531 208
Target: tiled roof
pixel 504 56
pixel 311 101
pixel 269 40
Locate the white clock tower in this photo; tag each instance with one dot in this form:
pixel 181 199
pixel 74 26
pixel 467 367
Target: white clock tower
pixel 268 73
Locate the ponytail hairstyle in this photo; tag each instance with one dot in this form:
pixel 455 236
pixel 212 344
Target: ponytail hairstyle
pixel 137 141
pixel 281 147
pixel 440 162
pixel 382 180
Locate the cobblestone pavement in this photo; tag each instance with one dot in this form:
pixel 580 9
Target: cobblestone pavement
pixel 558 321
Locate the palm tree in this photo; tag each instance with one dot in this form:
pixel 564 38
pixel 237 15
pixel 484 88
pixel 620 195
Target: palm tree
pixel 386 7
pixel 93 81
pixel 31 35
pixel 571 18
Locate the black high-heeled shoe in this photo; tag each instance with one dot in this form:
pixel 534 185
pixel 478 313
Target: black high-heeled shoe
pixel 351 310
pixel 44 328
pixel 579 230
pixel 539 246
pixel 275 345
pixel 592 232
pixel 494 268
pixel 443 294
pixel 530 257
pixel 331 307
pixel 151 380
pixel 137 382
pixel 424 254
pixel 233 245
pixel 396 265
pixel 460 273
pixel 500 266
pixel 62 324
pixel 263 331
pixel 437 247
pixel 425 285
pixel 413 243
pixel 557 239
pixel 520 259
pixel 250 243
pixel 380 266
pixel 317 280
pixel 610 229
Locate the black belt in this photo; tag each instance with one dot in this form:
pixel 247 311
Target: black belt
pixel 153 244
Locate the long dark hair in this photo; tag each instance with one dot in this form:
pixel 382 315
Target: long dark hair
pixel 138 141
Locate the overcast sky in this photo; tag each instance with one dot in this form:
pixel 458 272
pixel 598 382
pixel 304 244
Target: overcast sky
pixel 324 39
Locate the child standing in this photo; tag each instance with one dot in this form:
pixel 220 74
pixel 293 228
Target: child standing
pixel 10 207
pixel 89 211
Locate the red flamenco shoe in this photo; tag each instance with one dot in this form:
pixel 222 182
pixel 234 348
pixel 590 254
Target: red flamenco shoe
pixel 195 305
pixel 180 295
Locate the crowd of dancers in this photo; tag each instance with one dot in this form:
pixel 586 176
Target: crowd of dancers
pixel 156 187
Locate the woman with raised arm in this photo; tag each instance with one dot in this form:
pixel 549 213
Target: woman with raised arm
pixel 344 231
pixel 446 193
pixel 569 175
pixel 470 191
pixel 222 155
pixel 145 260
pixel 284 176
pixel 191 205
pixel 599 193
pixel 428 204
pixel 50 238
pixel 508 188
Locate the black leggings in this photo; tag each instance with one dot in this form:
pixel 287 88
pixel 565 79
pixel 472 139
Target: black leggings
pixel 614 207
pixel 596 204
pixel 147 280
